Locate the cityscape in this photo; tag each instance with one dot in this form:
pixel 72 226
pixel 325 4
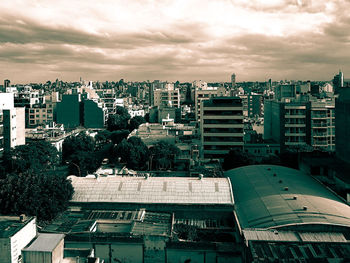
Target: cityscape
pixel 174 131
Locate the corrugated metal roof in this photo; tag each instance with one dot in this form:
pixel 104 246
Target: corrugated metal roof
pixel 269 196
pixel 270 235
pixel 153 190
pixel 45 242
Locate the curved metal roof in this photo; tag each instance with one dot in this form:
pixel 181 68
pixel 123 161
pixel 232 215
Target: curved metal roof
pixel 153 190
pixel 270 196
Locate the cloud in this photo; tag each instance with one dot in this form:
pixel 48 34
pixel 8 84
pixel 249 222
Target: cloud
pixel 173 40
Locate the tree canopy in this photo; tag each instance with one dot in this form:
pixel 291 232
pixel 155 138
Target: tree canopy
pixel 119 120
pixel 35 193
pixel 237 158
pixel 36 155
pixel 163 155
pixel 133 152
pixel 77 144
pixel 80 154
pixel 135 122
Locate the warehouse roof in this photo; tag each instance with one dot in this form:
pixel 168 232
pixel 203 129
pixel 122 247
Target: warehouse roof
pixel 45 242
pixel 269 196
pixel 152 190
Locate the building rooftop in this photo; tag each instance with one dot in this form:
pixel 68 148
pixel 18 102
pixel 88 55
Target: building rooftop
pixel 45 242
pixel 153 190
pixel 10 225
pixel 270 196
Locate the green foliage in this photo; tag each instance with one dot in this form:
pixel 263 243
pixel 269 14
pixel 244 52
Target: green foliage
pixel 34 156
pixel 135 122
pixel 237 158
pixel 118 136
pixel 102 137
pixel 118 121
pixel 80 154
pixel 76 144
pixel 163 155
pixel 133 152
pixel 36 194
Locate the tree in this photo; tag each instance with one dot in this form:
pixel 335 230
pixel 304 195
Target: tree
pixel 36 155
pixel 118 136
pixel 102 137
pixel 163 155
pixel 237 158
pixel 135 122
pixel 76 144
pixel 118 121
pixel 35 194
pixel 133 152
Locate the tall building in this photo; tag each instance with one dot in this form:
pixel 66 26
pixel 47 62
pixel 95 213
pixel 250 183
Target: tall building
pixel 169 96
pixel 221 126
pixel 95 114
pixel 323 124
pixel 13 122
pixel 338 81
pixel 1 132
pixel 6 84
pixel 203 92
pixel 342 124
pixel 254 103
pixel 233 80
pixel 287 123
pixel 68 111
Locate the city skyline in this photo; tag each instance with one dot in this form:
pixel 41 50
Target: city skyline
pixel 173 40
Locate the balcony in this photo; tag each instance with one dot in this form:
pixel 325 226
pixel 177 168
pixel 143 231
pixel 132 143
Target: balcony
pixel 299 134
pixel 295 125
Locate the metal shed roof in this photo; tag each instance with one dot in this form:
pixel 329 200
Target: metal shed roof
pixel 45 242
pixel 153 190
pixel 269 196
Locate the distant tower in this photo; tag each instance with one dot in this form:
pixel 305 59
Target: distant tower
pixel 233 80
pixel 338 81
pixel 341 78
pixel 6 84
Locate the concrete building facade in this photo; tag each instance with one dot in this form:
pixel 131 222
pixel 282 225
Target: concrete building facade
pixel 221 125
pixel 342 125
pixel 287 123
pixel 15 234
pixel 323 125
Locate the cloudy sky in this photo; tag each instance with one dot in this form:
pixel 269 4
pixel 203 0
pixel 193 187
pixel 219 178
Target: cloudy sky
pixel 180 40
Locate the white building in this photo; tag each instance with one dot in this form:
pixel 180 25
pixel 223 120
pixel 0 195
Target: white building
pixel 15 234
pixel 13 121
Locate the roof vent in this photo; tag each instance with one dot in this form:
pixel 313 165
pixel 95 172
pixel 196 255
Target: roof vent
pixel 146 176
pixel 286 188
pixel 295 197
pixel 200 176
pixel 305 207
pixel 269 169
pixel 280 181
pixel 22 218
pixel 274 174
pixel 275 232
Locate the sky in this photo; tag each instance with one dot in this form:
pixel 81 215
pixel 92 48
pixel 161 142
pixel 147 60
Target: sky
pixel 183 40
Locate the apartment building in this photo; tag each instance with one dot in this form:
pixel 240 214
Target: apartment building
pixel 287 123
pixel 169 96
pixel 203 92
pixel 323 124
pixel 221 123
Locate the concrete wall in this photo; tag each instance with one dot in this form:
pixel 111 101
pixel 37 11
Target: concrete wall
pixel 22 239
pixel 119 252
pixel 37 257
pixel 181 255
